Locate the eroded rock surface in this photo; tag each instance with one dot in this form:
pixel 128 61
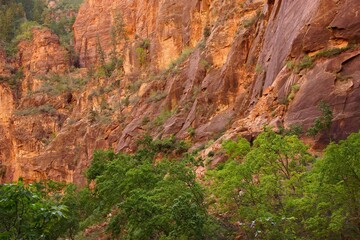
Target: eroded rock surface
pixel 43 53
pixel 201 70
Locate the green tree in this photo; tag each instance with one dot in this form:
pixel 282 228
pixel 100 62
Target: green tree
pixel 322 123
pixel 150 198
pixel 11 16
pixel 26 214
pixel 332 203
pixel 255 186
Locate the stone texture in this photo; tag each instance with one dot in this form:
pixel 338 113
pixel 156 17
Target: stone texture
pixel 168 24
pixel 234 79
pixel 43 53
pixel 4 70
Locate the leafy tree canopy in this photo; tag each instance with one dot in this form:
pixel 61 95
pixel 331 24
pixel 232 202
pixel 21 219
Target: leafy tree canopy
pixel 25 213
pixel 277 190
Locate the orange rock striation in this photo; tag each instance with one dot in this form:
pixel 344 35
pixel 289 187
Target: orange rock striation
pixel 201 70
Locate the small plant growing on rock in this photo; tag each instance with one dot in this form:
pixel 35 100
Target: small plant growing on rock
pixel 2 170
pixel 25 32
pixel 156 96
pixel 294 89
pixel 297 66
pixel 125 101
pixel 142 51
pixel 207 32
pixel 306 62
pixel 141 55
pixel 43 109
pixel 134 86
pixel 326 53
pixel 253 20
pixel 323 122
pixel 162 117
pixel 145 120
pixel 191 131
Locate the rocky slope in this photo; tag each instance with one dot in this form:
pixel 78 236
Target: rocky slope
pixel 201 70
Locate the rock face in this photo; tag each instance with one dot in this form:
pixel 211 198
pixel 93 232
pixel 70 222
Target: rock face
pixel 169 25
pixel 4 71
pixel 43 53
pixel 201 70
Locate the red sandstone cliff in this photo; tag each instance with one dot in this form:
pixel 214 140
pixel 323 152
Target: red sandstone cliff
pixel 215 68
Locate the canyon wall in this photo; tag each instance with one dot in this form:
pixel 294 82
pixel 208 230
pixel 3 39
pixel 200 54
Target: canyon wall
pixel 199 70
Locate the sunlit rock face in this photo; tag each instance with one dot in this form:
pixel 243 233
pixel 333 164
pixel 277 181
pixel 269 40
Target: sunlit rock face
pixel 200 70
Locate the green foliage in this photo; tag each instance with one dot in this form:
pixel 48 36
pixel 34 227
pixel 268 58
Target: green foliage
pixel 133 87
pixel 141 55
pixel 162 117
pixel 297 66
pixel 294 89
pixel 306 62
pixel 206 32
pixel 14 80
pixel 253 20
pixel 63 28
pixel 323 122
pixel 294 129
pixel 145 44
pixel 256 183
pixel 142 51
pixel 27 213
pixel 25 31
pixel 275 192
pixel 156 96
pixel 69 4
pixel 191 131
pixel 98 164
pixel 118 32
pixel 106 69
pixel 236 150
pixel 150 199
pixel 327 53
pixel 18 17
pixel 184 55
pixel 270 189
pixel 58 84
pixel 33 9
pixel 42 109
pixel 12 15
pixel 99 52
pixel 338 173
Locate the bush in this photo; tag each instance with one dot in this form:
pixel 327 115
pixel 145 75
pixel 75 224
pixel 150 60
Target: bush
pixel 162 117
pixel 156 96
pixel 331 52
pixel 297 66
pixel 58 84
pixel 43 109
pixel 191 131
pixel 323 122
pixel 27 213
pixel 141 55
pixel 306 62
pixel 147 200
